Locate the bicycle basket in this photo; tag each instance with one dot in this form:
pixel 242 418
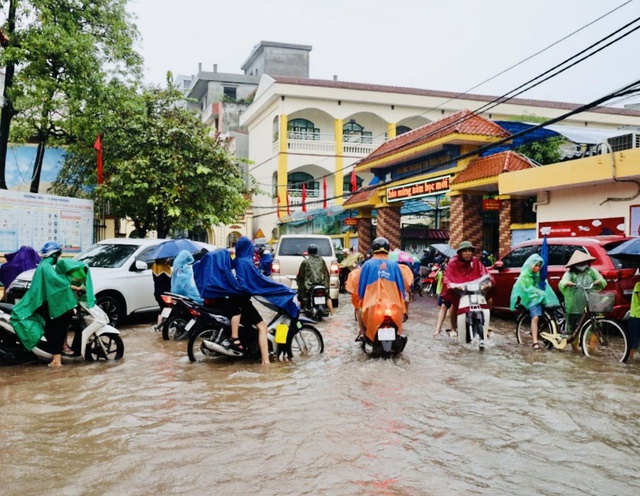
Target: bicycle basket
pixel 601 302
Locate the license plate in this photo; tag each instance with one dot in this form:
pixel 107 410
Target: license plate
pixel 190 324
pixel 165 312
pixel 319 300
pixel 386 334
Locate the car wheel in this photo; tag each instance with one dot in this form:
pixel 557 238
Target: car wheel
pixel 112 307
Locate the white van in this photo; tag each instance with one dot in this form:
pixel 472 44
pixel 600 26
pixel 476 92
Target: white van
pixel 290 252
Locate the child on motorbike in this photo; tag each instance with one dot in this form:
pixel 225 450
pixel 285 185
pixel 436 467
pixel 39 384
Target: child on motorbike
pixel 533 293
pixel 579 275
pixel 313 270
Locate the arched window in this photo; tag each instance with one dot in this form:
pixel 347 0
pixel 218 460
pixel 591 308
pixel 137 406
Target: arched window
pixel 295 180
pixel 402 129
pixel 346 183
pixel 274 185
pixel 276 128
pixel 353 132
pixel 302 129
pixel 233 238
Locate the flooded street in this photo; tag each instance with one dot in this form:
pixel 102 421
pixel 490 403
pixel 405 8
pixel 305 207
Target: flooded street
pixel 440 420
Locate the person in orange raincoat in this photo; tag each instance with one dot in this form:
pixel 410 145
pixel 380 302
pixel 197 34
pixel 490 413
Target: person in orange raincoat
pixel 378 279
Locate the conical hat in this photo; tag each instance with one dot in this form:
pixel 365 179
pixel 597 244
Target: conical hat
pixel 579 257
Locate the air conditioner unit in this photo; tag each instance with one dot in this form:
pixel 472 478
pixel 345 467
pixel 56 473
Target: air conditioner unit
pixel 624 141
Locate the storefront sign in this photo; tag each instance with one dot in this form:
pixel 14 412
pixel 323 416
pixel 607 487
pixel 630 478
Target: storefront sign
pixel 490 204
pixel 351 221
pixel 586 227
pixel 411 191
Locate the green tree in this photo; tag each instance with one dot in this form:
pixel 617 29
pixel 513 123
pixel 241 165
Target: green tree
pixel 63 53
pixel 544 152
pixel 162 169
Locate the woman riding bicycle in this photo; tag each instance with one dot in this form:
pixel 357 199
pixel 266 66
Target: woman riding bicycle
pixel 579 275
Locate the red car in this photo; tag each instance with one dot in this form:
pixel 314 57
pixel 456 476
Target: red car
pixel 620 275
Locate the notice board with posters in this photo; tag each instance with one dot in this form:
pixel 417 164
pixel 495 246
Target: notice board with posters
pixel 32 219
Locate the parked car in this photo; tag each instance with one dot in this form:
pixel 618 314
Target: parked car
pixel 620 275
pixel 121 276
pixel 290 252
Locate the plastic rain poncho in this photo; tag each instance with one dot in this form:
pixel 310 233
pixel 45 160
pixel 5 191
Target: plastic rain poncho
pixel 182 279
pixel 575 298
pixel 527 287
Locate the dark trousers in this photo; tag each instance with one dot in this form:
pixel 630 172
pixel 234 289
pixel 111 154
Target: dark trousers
pixel 55 330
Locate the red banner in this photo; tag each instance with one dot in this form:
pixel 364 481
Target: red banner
pixel 585 227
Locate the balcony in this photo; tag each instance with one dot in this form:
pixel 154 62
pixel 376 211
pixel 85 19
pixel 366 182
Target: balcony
pixel 314 143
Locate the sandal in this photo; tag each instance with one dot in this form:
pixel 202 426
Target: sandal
pixel 453 334
pixel 236 345
pixel 536 346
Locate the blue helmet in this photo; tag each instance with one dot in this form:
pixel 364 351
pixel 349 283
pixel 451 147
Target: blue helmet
pixel 50 248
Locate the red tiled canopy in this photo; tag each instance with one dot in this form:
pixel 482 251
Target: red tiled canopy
pixel 493 165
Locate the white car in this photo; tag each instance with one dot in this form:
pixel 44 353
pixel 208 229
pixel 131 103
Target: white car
pixel 122 280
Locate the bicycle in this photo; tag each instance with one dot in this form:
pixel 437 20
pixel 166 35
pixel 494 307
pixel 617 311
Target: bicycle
pixel 597 335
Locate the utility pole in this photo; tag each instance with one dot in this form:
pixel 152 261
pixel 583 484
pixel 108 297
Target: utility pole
pixel 7 105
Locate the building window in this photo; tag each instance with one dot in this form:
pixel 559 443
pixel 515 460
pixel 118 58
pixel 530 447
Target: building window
pixel 295 180
pixel 229 94
pixel 353 132
pixel 302 129
pixel 402 129
pixel 276 129
pixel 346 183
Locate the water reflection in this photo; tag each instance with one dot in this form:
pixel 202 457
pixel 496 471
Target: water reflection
pixel 442 419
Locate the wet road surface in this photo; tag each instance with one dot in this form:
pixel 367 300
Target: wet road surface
pixel 441 420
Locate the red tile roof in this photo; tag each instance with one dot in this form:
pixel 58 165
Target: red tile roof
pixel 325 83
pixel 363 194
pixel 463 122
pixel 492 165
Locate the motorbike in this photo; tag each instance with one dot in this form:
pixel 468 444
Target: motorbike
pixel 428 283
pixel 175 316
pixel 286 335
pixel 382 323
pixel 348 264
pixel 473 311
pixel 317 302
pixel 94 339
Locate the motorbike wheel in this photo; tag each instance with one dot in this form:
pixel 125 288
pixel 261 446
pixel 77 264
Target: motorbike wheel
pixel 196 349
pixel 478 330
pixel 107 346
pixel 425 288
pixel 307 341
pixel 173 328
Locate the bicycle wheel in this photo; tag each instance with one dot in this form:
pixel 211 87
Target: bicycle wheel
pixel 523 329
pixel 604 338
pixel 307 341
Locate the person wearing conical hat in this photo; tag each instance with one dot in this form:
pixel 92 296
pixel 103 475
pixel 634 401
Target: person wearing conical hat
pixel 580 274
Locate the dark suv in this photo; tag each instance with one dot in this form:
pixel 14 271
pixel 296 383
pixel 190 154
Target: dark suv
pixel 620 275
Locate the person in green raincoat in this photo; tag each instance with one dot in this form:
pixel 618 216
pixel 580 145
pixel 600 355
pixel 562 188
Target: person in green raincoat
pixel 528 293
pixel 47 307
pixel 313 270
pixel 579 275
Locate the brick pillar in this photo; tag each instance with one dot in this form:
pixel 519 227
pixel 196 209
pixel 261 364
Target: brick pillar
pixel 389 225
pixel 507 208
pixel 364 234
pixel 466 220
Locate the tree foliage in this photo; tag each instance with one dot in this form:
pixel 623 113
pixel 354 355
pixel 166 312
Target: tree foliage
pixel 543 152
pixel 161 167
pixel 64 53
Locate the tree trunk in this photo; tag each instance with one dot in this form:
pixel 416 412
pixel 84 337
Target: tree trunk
pixel 7 110
pixel 37 168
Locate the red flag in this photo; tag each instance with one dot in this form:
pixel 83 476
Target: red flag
pixel 288 206
pixel 354 182
pixel 98 146
pixel 278 205
pixel 304 197
pixel 324 190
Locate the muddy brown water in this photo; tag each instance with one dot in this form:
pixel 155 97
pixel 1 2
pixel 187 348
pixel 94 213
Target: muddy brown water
pixel 441 420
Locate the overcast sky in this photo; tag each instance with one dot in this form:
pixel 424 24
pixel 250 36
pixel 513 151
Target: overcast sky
pixel 449 45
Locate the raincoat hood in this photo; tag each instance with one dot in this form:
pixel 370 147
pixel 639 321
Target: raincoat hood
pixel 526 291
pixel 214 276
pixel 78 273
pixel 182 280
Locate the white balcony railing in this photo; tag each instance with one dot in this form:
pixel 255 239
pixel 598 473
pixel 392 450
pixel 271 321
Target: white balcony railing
pixel 324 143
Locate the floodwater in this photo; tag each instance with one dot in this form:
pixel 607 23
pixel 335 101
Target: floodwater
pixel 441 420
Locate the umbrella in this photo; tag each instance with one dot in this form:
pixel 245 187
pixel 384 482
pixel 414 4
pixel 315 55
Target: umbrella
pixel 447 250
pixel 402 256
pixel 629 250
pixel 544 253
pixel 171 248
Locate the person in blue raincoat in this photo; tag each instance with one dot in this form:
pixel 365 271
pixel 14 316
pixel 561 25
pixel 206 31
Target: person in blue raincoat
pixel 182 281
pixel 26 258
pixel 215 278
pixel 266 260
